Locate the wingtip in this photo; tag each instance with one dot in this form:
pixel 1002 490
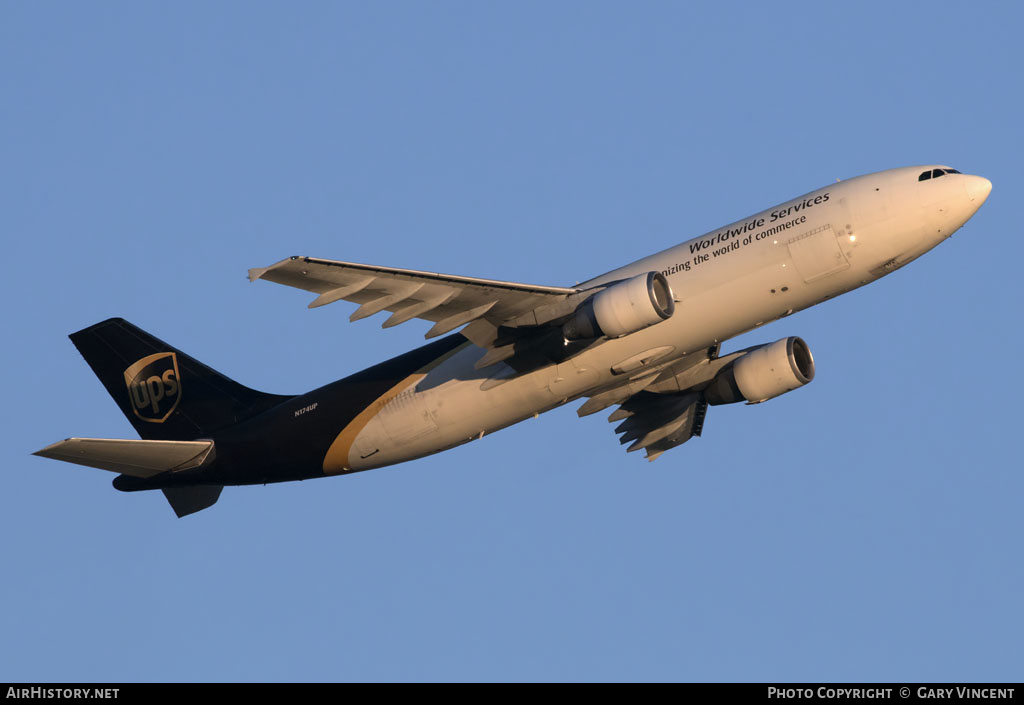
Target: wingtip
pixel 258 272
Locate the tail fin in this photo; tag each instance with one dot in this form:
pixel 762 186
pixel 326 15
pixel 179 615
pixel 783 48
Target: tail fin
pixel 165 394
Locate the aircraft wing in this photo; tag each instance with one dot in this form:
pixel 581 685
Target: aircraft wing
pixel 661 408
pixel 449 301
pixel 658 422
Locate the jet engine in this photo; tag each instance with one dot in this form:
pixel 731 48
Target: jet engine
pixel 763 373
pixel 623 308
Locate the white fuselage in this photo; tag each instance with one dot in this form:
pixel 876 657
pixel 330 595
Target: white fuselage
pixel 726 282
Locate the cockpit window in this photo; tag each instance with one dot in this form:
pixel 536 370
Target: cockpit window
pixel 935 173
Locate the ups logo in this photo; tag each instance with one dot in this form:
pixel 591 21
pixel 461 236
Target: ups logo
pixel 154 386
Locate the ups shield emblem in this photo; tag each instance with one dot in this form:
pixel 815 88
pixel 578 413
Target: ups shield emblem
pixel 154 386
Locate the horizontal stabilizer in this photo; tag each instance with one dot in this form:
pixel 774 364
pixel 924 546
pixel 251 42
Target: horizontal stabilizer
pixel 189 500
pixel 130 457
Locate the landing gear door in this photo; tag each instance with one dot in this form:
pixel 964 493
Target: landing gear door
pixel 816 254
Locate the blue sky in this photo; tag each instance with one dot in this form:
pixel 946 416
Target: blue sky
pixel 866 527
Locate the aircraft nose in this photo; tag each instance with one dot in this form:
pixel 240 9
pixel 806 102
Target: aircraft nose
pixel 978 188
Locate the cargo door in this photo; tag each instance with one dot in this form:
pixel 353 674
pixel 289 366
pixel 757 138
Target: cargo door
pixel 816 254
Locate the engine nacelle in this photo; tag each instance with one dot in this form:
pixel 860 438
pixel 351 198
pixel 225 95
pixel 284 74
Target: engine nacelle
pixel 623 308
pixel 763 373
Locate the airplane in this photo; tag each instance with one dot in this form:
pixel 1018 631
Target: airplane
pixel 644 338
